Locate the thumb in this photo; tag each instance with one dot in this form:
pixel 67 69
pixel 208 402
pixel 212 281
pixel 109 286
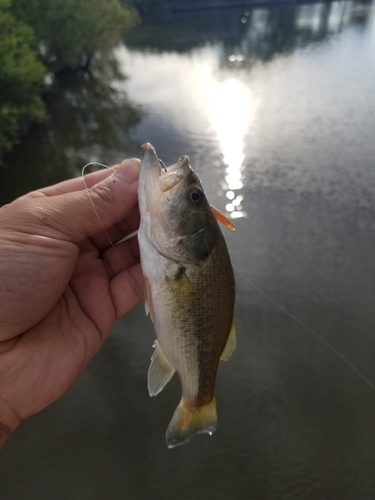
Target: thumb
pixel 73 216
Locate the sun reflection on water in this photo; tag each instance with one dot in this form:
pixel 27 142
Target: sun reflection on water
pixel 231 108
pixel 203 93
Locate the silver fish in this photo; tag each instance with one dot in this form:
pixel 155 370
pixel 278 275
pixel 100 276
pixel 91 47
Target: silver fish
pixel 189 290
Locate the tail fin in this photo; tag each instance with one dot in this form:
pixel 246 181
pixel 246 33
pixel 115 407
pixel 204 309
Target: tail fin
pixel 189 421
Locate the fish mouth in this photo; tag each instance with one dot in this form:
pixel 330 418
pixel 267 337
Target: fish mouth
pixel 181 163
pixel 167 178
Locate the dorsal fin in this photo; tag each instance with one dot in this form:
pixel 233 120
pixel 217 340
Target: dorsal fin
pixel 220 217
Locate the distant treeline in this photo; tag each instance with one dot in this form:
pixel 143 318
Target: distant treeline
pixel 41 39
pixel 161 8
pixel 157 8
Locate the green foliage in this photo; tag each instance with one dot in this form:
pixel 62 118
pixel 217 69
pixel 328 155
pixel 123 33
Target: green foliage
pixel 21 77
pixel 63 34
pixel 89 119
pixel 70 32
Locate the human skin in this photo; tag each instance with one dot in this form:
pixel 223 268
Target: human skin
pixel 63 284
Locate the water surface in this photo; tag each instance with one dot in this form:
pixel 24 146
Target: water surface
pixel 275 107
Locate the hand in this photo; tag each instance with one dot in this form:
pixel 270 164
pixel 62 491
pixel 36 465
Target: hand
pixel 62 284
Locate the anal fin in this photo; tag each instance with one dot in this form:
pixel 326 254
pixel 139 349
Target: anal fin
pixel 160 371
pixel 230 345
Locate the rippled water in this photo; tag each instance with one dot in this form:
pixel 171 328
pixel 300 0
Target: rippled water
pixel 276 109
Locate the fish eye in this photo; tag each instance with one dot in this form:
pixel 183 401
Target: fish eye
pixel 195 195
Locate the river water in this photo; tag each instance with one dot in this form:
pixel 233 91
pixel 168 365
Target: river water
pixel 276 108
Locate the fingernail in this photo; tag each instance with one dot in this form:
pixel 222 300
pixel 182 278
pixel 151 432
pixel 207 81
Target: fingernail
pixel 128 171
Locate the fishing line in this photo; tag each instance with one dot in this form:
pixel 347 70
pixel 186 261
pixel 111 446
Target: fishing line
pixel 97 215
pixel 311 331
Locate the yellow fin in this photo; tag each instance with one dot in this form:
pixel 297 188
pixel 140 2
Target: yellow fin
pixel 230 345
pixel 160 371
pixel 189 421
pixel 223 219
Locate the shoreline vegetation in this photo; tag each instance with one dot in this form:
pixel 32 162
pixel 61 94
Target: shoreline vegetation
pixel 44 40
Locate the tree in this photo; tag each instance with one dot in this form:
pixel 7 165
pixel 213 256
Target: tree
pixel 21 77
pixel 70 32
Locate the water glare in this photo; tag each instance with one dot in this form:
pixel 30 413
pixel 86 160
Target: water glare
pixel 231 108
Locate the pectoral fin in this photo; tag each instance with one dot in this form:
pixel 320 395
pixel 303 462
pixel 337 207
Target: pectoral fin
pixel 182 289
pixel 230 345
pixel 160 371
pixel 223 219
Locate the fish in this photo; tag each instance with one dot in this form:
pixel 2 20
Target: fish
pixel 189 290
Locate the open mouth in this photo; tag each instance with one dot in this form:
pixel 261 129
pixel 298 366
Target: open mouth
pixel 168 177
pixel 174 174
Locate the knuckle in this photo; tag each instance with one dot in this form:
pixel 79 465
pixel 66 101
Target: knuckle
pixel 104 197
